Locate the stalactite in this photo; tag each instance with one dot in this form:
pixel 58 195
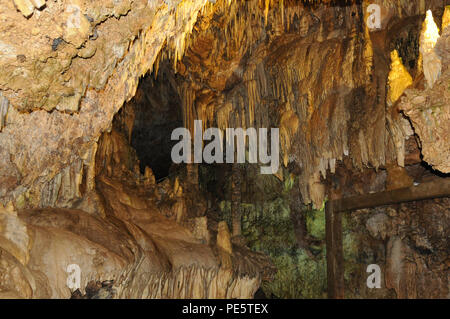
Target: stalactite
pixel 89 161
pixel 253 97
pixel 223 116
pixel 189 112
pixel 368 49
pixel 266 10
pixel 289 124
pixel 336 57
pixel 205 108
pixel 64 188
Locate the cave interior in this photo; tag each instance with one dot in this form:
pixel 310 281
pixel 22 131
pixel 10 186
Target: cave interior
pixel 363 122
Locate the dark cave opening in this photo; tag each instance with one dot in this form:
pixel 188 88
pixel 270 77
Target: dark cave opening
pixel 157 112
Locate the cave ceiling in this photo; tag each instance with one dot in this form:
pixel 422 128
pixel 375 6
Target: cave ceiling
pixel 313 69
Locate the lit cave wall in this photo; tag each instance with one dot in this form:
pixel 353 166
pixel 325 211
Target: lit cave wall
pixel 87 178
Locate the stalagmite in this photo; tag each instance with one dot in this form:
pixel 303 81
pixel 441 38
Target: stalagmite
pixel 149 177
pixel 446 18
pixel 224 244
pixel 432 63
pixel 399 78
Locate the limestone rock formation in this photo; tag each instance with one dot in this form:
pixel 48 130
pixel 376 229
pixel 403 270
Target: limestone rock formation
pixel 90 92
pixel 429 112
pixel 432 63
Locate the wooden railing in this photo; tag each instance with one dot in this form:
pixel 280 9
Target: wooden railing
pixel 333 209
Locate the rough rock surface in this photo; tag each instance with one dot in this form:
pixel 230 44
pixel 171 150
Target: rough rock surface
pixel 72 186
pixel 145 240
pixel 147 262
pixel 429 112
pixel 66 81
pixel 408 244
pixel 145 249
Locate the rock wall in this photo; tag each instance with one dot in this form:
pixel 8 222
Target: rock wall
pixel 132 237
pixel 62 82
pixel 66 70
pixel 429 111
pixel 70 181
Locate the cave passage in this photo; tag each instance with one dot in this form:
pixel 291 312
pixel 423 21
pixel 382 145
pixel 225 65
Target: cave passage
pixel 157 112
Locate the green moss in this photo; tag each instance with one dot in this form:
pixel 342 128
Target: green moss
pixel 267 227
pixel 315 223
pixel 351 253
pixel 298 276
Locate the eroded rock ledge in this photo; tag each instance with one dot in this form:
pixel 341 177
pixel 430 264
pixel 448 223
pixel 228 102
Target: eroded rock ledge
pixel 429 112
pixel 144 253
